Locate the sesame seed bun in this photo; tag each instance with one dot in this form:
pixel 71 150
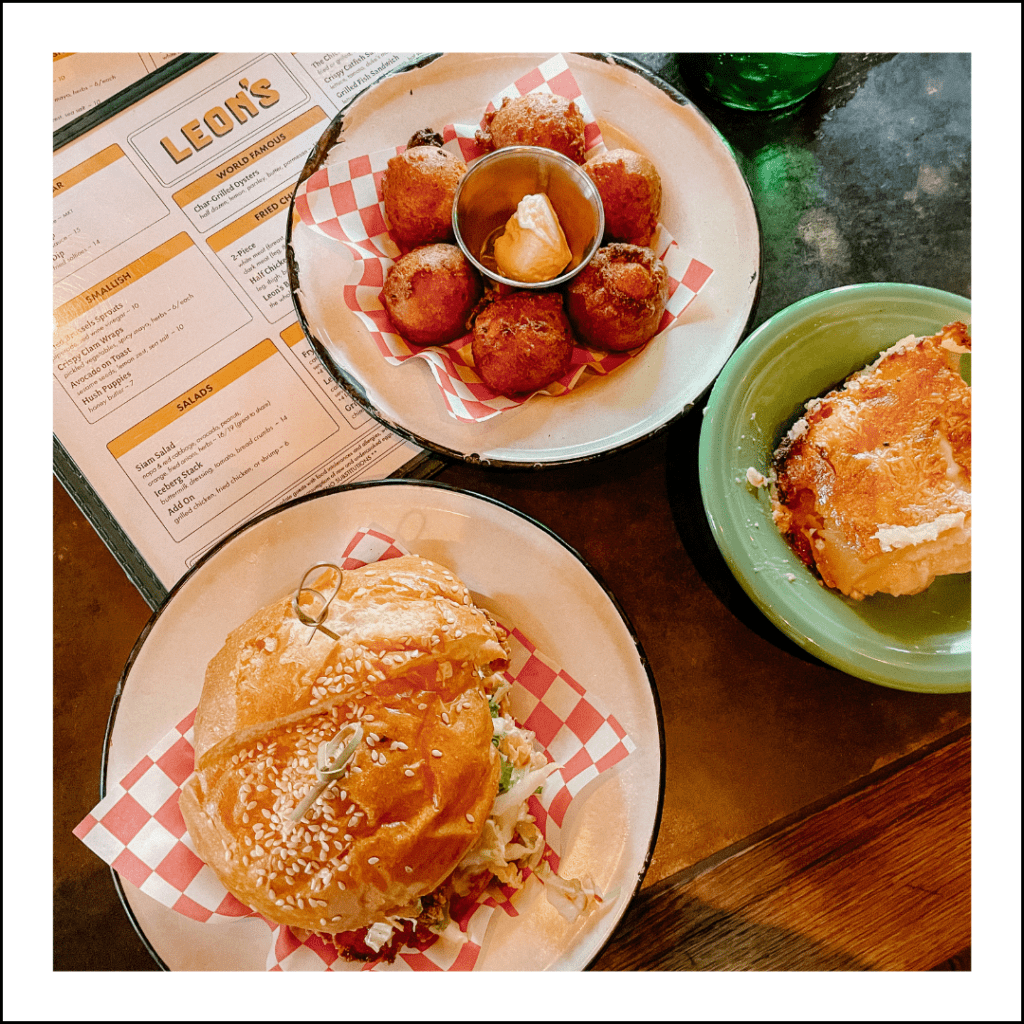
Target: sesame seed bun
pixel 413 666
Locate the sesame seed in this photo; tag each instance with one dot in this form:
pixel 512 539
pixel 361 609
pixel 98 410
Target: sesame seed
pixel 470 818
pixel 409 773
pixel 436 753
pixel 373 860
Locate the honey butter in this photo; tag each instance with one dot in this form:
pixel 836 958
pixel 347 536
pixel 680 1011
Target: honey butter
pixel 533 247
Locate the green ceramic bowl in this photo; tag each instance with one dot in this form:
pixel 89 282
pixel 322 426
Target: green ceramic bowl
pixel 920 643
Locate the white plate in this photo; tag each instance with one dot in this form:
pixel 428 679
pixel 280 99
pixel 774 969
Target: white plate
pixel 513 566
pixel 707 208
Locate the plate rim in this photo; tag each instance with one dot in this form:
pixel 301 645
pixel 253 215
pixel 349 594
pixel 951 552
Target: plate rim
pixel 958 679
pixel 369 485
pixel 356 390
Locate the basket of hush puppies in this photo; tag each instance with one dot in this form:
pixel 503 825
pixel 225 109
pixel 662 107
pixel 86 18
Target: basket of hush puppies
pixel 518 256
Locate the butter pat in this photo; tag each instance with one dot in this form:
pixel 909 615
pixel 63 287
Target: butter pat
pixel 533 247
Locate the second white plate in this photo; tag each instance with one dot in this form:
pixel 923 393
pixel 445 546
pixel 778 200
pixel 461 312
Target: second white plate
pixel 520 571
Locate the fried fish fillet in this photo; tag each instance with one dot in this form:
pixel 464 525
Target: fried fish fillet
pixel 873 484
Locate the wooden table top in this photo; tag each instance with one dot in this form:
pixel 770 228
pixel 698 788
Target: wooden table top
pixel 811 820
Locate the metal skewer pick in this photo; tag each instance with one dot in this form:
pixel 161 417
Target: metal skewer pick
pixel 330 764
pixel 308 620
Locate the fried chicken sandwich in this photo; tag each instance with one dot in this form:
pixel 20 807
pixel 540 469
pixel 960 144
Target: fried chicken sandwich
pixel 348 771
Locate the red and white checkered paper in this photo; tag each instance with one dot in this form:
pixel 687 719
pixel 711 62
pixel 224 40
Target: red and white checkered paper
pixel 138 829
pixel 343 201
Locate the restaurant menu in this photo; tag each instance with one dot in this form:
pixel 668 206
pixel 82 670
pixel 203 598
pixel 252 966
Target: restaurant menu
pixel 185 395
pixel 81 81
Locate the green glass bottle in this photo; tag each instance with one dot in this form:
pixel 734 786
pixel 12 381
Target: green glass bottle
pixel 764 81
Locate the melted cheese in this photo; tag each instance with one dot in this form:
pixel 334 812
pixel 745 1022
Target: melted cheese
pixel 873 484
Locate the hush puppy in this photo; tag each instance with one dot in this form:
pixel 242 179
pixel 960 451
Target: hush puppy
pixel 429 294
pixel 536 119
pixel 419 192
pixel 630 189
pixel 522 342
pixel 616 302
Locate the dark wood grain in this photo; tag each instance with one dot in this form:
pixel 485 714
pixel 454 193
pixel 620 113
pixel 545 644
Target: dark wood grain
pixel 878 881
